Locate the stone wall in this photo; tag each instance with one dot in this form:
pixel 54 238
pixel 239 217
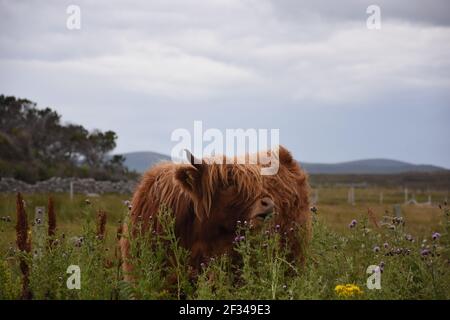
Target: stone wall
pixel 56 184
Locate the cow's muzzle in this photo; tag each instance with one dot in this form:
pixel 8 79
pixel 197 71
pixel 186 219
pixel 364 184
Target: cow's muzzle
pixel 264 208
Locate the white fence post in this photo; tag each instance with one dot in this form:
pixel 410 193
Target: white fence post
pixel 71 190
pixel 398 211
pixel 351 196
pixel 316 196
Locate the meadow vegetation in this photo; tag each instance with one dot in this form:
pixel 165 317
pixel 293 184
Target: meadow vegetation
pixel 412 254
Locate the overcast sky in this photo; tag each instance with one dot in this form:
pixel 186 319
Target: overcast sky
pixel 336 90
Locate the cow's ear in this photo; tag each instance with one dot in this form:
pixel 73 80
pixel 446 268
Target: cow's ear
pixel 285 156
pixel 190 176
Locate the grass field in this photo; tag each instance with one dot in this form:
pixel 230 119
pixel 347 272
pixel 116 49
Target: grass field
pixel 413 264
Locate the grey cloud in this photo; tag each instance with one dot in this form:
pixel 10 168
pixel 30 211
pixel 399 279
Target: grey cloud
pixel 433 12
pixel 145 68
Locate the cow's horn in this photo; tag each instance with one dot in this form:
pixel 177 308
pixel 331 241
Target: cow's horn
pixel 193 160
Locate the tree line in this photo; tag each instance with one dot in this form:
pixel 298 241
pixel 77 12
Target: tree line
pixel 35 145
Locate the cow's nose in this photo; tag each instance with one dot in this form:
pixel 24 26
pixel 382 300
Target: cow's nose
pixel 267 206
pixel 267 203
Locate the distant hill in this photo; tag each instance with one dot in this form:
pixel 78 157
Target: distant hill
pixel 368 166
pixel 140 161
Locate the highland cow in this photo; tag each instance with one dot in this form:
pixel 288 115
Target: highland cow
pixel 209 197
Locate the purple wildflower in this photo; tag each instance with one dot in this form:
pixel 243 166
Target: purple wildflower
pixel 376 249
pixel 386 245
pixel 353 223
pixel 425 252
pixel 436 236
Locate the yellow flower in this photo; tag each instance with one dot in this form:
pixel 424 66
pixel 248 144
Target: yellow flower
pixel 348 290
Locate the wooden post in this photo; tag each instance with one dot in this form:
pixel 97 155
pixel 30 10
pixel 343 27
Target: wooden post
pixel 406 195
pixel 38 231
pixel 381 197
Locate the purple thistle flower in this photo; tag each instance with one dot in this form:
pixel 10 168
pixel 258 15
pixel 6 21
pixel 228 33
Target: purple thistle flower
pixel 436 236
pixel 353 223
pixel 425 252
pixel 241 238
pixel 376 249
pixel 386 245
pixel 409 237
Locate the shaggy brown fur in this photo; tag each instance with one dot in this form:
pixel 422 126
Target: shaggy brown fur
pixel 208 199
